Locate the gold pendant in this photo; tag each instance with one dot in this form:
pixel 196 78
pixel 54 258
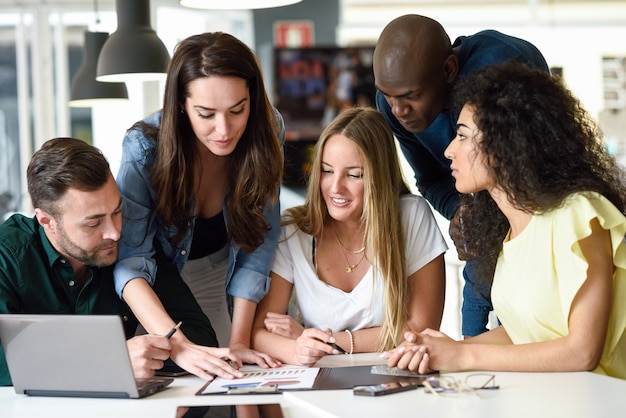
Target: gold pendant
pixel 349 269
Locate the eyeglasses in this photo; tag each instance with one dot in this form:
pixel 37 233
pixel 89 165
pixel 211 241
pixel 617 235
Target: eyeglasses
pixel 449 386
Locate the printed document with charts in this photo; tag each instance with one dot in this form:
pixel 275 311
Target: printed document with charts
pixel 284 378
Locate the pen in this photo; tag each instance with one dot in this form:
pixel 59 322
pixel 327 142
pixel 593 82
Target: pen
pixel 337 347
pixel 173 330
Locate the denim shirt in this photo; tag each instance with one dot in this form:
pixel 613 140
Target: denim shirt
pixel 424 151
pixel 248 272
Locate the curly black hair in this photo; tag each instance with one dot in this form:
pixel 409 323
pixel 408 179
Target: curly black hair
pixel 540 145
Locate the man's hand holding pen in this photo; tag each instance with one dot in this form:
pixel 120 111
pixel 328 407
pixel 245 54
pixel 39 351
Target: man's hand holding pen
pixel 147 354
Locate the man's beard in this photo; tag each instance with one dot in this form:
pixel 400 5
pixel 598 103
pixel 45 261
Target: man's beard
pixel 89 258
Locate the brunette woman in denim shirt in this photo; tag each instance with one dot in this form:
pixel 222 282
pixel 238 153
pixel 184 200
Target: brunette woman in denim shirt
pixel 200 181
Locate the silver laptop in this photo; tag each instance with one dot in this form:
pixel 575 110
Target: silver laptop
pixel 71 355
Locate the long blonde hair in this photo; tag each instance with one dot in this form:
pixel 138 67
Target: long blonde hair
pixel 381 220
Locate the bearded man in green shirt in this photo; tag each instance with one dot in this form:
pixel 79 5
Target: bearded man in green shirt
pixel 61 260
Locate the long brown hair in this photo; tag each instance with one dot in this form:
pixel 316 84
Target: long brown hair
pixel 255 166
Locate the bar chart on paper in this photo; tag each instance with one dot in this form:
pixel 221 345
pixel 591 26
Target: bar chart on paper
pixel 285 377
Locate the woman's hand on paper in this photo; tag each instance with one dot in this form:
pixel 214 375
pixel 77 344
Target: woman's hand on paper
pixel 204 362
pixel 250 356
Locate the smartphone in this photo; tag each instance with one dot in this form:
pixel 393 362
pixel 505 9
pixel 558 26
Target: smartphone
pixel 384 389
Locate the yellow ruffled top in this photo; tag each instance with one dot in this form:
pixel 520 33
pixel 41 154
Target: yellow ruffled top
pixel 540 271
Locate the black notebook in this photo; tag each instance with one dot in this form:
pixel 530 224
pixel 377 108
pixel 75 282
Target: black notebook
pixel 330 378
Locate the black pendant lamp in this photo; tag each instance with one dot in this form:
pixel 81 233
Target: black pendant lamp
pixel 86 91
pixel 133 51
pixel 235 4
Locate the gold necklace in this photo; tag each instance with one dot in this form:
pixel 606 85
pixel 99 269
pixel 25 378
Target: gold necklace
pixel 349 267
pixel 342 246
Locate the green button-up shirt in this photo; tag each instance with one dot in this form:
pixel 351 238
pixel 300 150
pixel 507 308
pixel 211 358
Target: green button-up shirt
pixel 36 279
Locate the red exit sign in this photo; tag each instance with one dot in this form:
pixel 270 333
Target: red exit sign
pixel 293 34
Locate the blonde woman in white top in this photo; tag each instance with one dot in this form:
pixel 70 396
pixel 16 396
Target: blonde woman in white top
pixel 364 255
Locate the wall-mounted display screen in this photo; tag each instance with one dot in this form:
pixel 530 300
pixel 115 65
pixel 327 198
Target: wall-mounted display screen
pixel 311 86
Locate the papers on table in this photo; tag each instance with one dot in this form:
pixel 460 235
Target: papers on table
pixel 285 377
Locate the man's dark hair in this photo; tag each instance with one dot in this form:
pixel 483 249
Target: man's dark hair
pixel 62 163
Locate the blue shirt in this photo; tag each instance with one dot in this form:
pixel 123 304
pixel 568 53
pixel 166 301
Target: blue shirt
pixel 248 272
pixel 424 150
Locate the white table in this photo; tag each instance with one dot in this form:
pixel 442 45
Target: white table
pixel 523 395
pixel 536 395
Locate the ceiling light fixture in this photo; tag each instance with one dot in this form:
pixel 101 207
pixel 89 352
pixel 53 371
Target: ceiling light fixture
pixel 86 91
pixel 235 4
pixel 133 51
